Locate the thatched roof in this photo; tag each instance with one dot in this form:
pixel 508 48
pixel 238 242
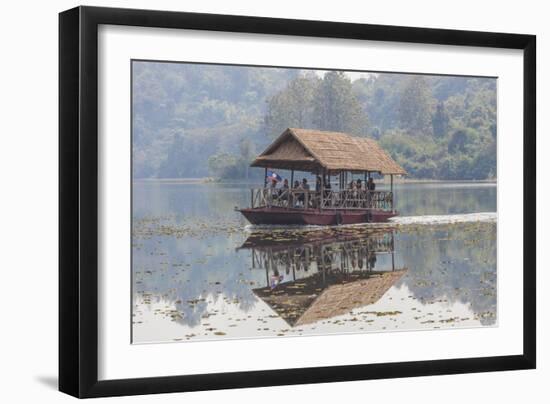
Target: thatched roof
pixel 312 299
pixel 315 150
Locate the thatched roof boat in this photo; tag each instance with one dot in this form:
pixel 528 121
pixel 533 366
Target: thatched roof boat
pixel 334 152
pixel 326 155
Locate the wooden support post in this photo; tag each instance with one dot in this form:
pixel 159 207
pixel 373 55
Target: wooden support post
pixel 369 193
pixel 265 177
pixel 290 199
pixel 365 183
pixel 252 197
pixel 322 196
pixel 391 190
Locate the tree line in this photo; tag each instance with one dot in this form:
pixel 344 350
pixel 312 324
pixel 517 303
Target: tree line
pixel 199 120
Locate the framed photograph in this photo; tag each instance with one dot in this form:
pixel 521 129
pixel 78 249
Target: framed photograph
pixel 251 201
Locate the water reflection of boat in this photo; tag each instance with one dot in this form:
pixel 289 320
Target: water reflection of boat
pixel 322 274
pixel 337 198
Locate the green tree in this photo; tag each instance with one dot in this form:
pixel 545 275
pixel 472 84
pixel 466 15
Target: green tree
pixel 457 143
pixel 336 106
pixel 440 121
pixel 291 107
pixel 310 102
pixel 415 107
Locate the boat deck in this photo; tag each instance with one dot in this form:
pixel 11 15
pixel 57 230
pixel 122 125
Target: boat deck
pixel 312 216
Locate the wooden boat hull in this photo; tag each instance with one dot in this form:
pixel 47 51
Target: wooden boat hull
pixel 282 216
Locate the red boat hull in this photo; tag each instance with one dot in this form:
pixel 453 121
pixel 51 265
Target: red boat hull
pixel 284 216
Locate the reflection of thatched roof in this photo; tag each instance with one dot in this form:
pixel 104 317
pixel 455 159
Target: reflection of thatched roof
pixel 311 150
pixel 311 299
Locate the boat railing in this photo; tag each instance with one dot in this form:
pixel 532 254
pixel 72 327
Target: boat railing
pixel 283 198
pixel 357 199
pixel 328 199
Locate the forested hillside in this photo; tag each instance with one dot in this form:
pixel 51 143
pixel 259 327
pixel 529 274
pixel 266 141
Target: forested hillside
pixel 192 120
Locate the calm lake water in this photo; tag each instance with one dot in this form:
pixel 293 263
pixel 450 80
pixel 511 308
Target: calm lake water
pixel 200 271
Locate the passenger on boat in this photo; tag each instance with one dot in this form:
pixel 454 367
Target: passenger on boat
pixel 371 186
pixel 293 198
pixel 285 184
pixel 360 194
pixel 347 191
pixel 273 185
pixel 305 187
pixel 353 193
pixel 317 197
pixel 283 192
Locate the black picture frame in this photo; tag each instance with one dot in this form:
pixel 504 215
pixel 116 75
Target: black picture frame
pixel 78 201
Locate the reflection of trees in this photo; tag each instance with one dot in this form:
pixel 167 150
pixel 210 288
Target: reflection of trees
pixel 196 212
pixel 456 263
pixel 160 267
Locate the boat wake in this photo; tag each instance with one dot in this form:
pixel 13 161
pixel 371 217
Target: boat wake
pixel 427 220
pixel 445 219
